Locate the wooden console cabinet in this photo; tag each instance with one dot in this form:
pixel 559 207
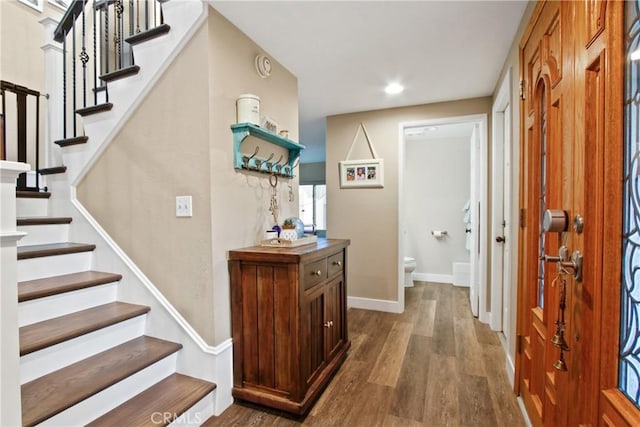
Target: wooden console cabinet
pixel 289 321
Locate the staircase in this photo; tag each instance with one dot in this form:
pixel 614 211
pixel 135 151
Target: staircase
pixel 84 355
pixel 98 343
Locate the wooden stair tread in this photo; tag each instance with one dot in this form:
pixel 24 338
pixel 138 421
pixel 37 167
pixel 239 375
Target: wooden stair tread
pixel 72 141
pixel 53 170
pixel 148 34
pixel 94 109
pixel 121 73
pixel 43 220
pixel 50 332
pixel 21 194
pixel 36 251
pixel 51 394
pixel 173 395
pixel 55 285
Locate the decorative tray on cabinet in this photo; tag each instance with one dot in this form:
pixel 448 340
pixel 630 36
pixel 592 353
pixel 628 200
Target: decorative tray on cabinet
pixel 283 243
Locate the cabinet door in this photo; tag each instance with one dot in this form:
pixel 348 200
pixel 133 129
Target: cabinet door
pixel 313 350
pixel 335 313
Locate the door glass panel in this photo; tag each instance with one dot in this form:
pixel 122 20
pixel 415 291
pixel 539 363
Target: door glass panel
pixel 543 193
pixel 629 377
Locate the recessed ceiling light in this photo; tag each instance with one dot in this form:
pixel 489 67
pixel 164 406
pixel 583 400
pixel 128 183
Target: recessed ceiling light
pixel 635 55
pixel 394 88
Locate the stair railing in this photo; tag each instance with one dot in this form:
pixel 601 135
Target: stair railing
pixel 96 37
pixel 23 117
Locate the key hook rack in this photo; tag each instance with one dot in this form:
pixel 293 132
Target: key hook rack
pixel 266 143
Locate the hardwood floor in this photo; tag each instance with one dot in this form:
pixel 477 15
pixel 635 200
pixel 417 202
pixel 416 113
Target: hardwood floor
pixel 433 365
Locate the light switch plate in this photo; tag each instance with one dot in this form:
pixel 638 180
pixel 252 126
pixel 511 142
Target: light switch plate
pixel 183 206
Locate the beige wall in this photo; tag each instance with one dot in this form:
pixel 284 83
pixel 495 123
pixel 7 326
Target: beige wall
pixel 22 63
pixel 239 200
pixel 369 217
pixel 179 142
pixel 21 59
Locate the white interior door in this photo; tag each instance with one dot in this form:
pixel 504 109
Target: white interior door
pixel 474 259
pixel 506 214
pixel 501 202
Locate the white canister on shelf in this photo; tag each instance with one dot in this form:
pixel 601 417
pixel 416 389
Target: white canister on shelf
pixel 248 109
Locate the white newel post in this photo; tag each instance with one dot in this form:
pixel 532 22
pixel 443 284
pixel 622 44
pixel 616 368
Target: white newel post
pixel 10 403
pixel 53 87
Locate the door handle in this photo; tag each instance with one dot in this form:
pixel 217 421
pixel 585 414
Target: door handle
pixel 574 264
pixel 500 239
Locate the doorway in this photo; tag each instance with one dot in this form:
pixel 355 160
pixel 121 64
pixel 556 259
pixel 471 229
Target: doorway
pixel 478 191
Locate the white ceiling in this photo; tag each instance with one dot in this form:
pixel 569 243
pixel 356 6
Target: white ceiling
pixel 345 52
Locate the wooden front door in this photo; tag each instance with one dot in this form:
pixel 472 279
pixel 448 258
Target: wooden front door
pixel 571 126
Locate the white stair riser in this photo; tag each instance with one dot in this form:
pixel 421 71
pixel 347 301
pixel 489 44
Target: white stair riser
pixel 197 414
pixel 43 234
pixel 27 207
pixel 99 404
pixel 38 268
pixel 39 363
pixel 41 309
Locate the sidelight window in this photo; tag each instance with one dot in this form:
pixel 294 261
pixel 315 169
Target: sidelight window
pixel 629 367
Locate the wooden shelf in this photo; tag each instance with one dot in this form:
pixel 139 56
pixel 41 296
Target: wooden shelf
pixel 260 156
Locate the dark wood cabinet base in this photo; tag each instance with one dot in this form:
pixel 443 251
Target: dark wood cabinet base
pixel 267 398
pixel 289 322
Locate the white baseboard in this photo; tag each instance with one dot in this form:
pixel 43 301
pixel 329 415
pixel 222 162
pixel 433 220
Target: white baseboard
pixel 511 369
pixel 523 409
pixel 429 277
pixel 374 304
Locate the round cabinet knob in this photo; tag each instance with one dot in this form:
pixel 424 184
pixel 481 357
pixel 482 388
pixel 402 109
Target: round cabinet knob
pixel 316 273
pixel 338 263
pixel 327 325
pixel 500 239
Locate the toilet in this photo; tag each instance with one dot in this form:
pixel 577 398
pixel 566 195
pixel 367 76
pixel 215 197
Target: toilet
pixel 409 266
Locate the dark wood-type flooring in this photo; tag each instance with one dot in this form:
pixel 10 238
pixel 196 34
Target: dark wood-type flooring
pixel 433 365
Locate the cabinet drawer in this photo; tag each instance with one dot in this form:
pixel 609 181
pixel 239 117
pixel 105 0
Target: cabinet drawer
pixel 335 263
pixel 313 273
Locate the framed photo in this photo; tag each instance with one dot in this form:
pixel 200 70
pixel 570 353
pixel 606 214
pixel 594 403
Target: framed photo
pixel 362 173
pixel 35 4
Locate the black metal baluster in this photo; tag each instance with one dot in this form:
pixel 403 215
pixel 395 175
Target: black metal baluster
pixel 119 27
pixel 106 39
pixel 4 125
pixel 64 87
pixel 95 58
pixel 146 14
pixel 131 13
pixel 38 142
pixel 21 133
pixel 73 69
pixel 84 56
pixel 161 13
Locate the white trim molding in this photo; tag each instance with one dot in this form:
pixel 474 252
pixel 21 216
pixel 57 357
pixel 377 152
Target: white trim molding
pixel 375 304
pixel 431 277
pixel 10 406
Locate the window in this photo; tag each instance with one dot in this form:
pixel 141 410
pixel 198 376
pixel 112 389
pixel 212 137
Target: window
pixel 313 206
pixel 629 367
